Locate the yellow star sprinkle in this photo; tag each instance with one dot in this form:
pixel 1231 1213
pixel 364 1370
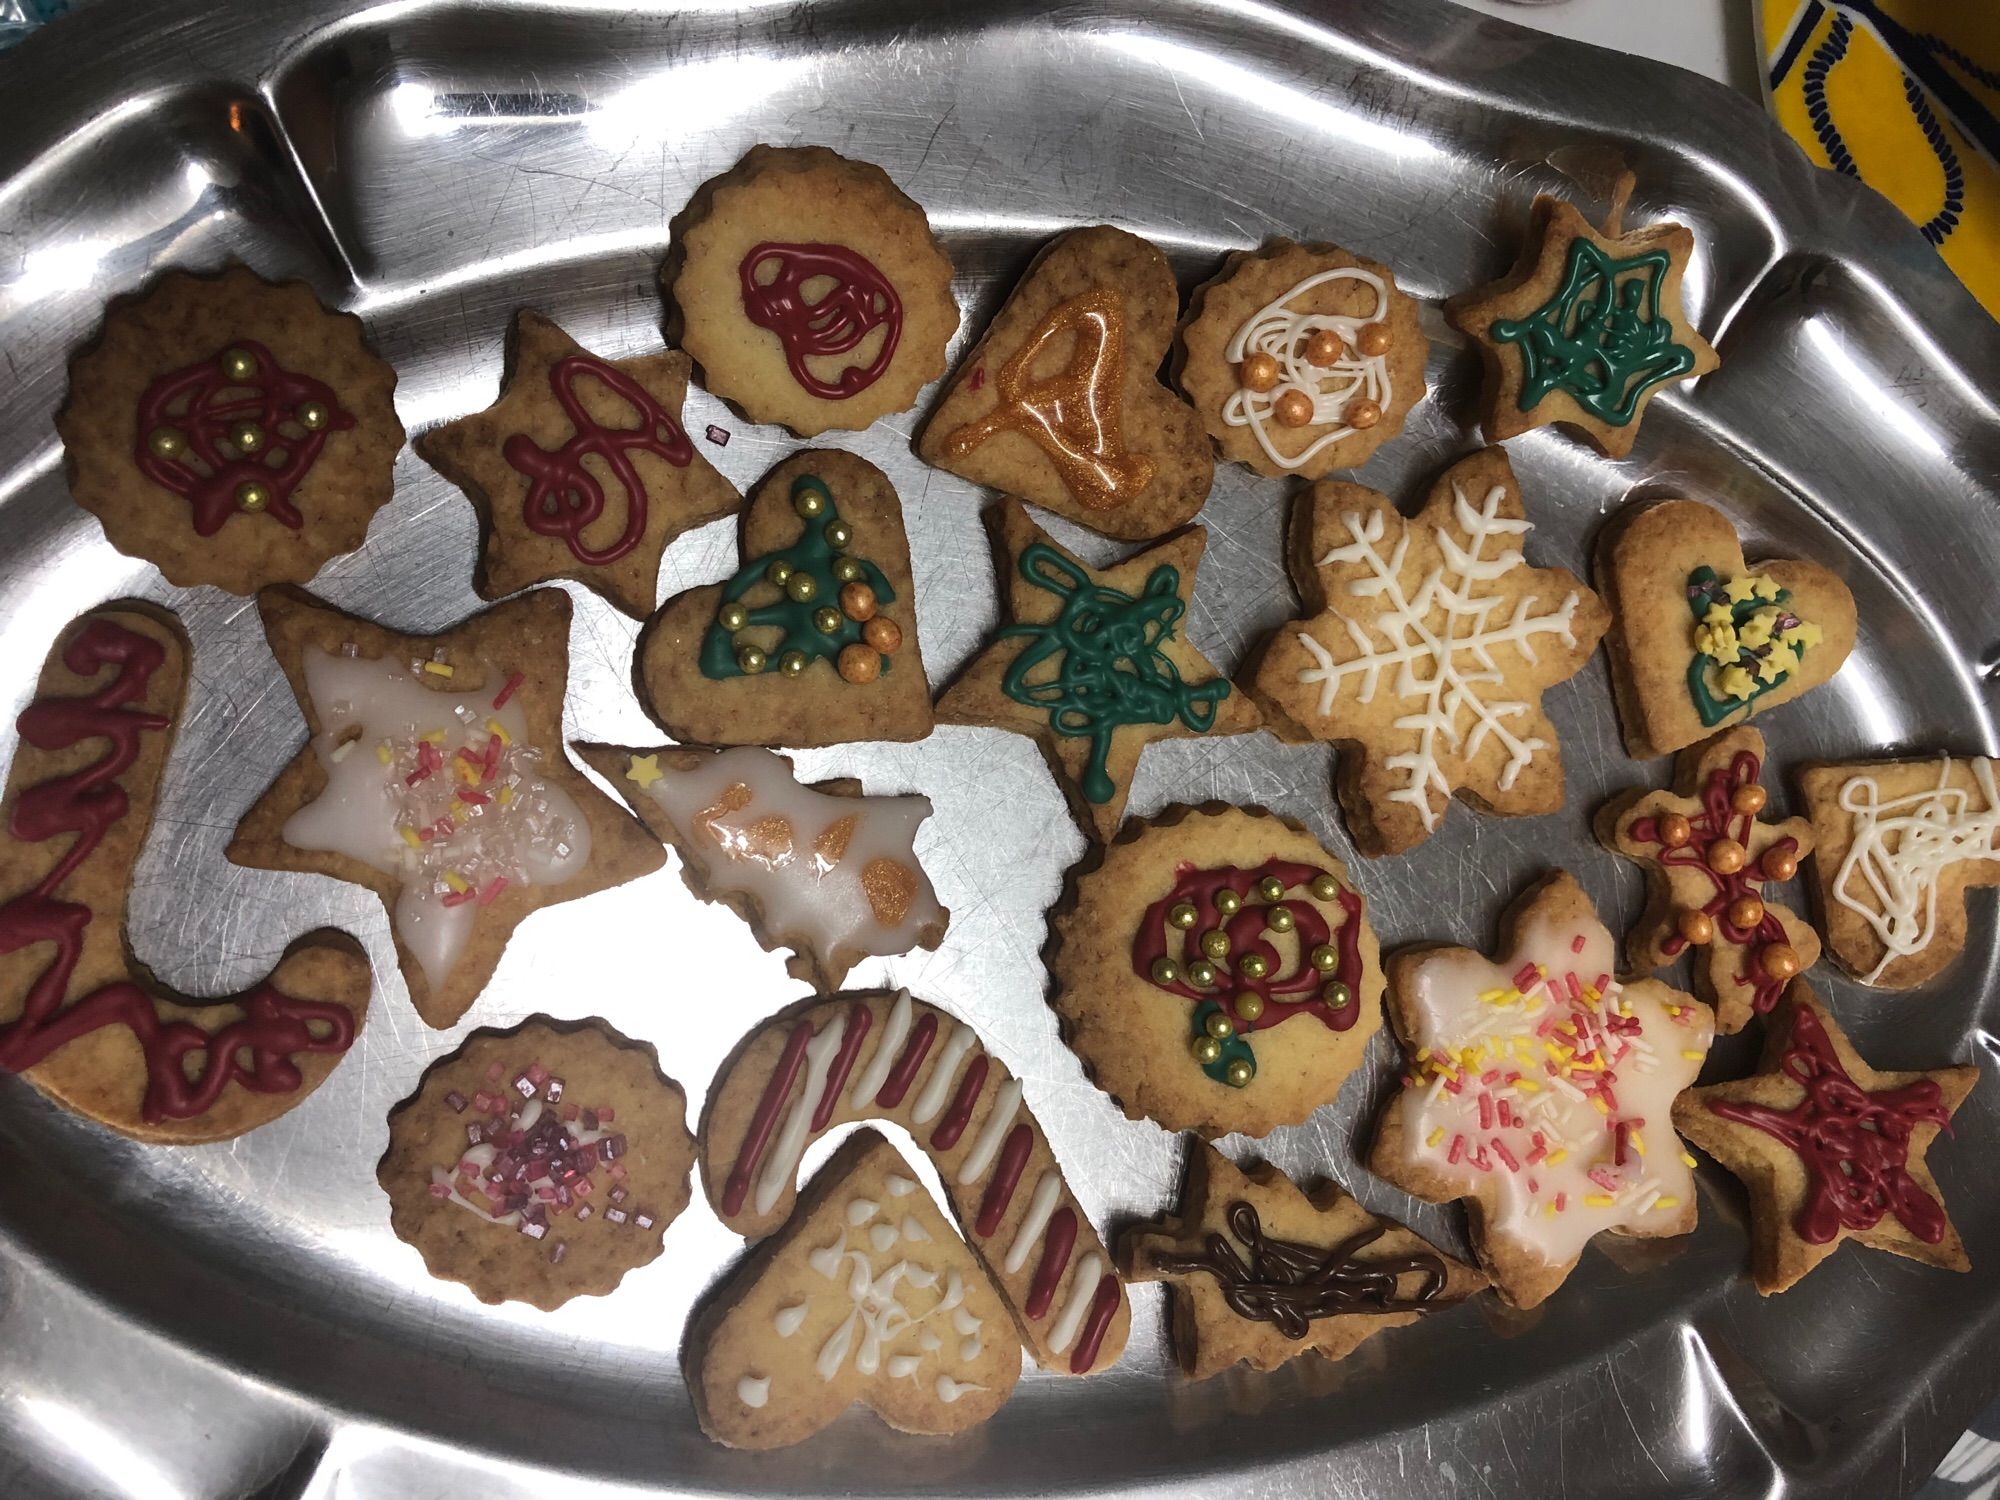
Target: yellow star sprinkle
pixel 1756 631
pixel 645 770
pixel 1801 636
pixel 1763 587
pixel 1740 590
pixel 1736 683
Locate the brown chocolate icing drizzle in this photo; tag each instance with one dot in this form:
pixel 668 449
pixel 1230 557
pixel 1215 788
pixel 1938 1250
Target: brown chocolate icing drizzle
pixel 1290 1285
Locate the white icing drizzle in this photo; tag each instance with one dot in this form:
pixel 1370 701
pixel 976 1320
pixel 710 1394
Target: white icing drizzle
pixel 1566 1182
pixel 913 1231
pixel 903 1366
pixel 526 832
pixel 1425 631
pixel 789 1319
pixel 781 1167
pixel 938 1085
pixel 877 1316
pixel 1901 849
pixel 754 1390
pixel 883 1238
pixel 895 1031
pixel 1278 330
pixel 950 1390
pixel 1006 1104
pixel 899 1187
pixel 1082 1290
pixel 1041 1207
pixel 861 1210
pixel 808 896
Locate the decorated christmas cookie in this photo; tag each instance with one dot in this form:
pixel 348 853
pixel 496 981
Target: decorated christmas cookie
pixel 1899 842
pixel 811 291
pixel 1061 404
pixel 1708 854
pixel 1261 1272
pixel 1215 971
pixel 1700 638
pixel 1095 663
pixel 434 775
pixel 814 640
pixel 581 469
pixel 1586 328
pixel 1538 1088
pixel 865 1294
pixel 1302 359
pixel 823 870
pixel 230 431
pixel 888 1057
pixel 79 1018
pixel 1829 1148
pixel 540 1163
pixel 1428 645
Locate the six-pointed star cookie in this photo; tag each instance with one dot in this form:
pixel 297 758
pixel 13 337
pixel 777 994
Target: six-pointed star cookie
pixel 1586 328
pixel 434 774
pixel 1261 1272
pixel 1829 1148
pixel 1707 856
pixel 581 469
pixel 1425 652
pixel 1095 663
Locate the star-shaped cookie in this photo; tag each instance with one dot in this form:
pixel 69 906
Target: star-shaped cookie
pixel 1095 663
pixel 1261 1272
pixel 1586 328
pixel 1426 648
pixel 581 469
pixel 434 774
pixel 1829 1148
pixel 1708 855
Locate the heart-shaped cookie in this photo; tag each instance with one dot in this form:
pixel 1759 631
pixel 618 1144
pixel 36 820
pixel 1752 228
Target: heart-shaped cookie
pixel 867 1294
pixel 813 641
pixel 1061 402
pixel 1700 640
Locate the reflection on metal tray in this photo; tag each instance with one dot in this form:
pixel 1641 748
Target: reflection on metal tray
pixel 211 1321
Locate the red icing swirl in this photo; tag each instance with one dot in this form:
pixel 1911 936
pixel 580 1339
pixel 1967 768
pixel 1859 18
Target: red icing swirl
pixel 564 497
pixel 204 405
pixel 1854 1144
pixel 860 301
pixel 274 1028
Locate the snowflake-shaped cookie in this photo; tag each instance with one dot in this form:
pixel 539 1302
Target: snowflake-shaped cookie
pixel 1427 652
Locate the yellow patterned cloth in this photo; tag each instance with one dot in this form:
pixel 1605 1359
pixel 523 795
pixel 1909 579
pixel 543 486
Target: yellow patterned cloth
pixel 1905 95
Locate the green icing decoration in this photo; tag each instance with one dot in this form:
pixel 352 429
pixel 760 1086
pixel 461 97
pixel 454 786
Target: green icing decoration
pixel 1599 338
pixel 1233 1045
pixel 812 556
pixel 1110 670
pixel 1705 590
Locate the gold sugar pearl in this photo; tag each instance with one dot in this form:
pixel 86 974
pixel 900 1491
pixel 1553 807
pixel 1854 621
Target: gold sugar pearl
pixel 1207 1051
pixel 837 533
pixel 846 570
pixel 792 663
pixel 1695 926
pixel 1778 865
pixel 1215 943
pixel 801 588
pixel 1253 966
pixel 859 664
pixel 239 364
pixel 1726 856
pixel 1239 1073
pixel 252 496
pixel 1326 958
pixel 312 415
pixel 1674 829
pixel 857 601
pixel 779 572
pixel 1749 798
pixel 1183 916
pixel 165 442
pixel 826 620
pixel 1336 994
pixel 1166 971
pixel 1258 373
pixel 1293 409
pixel 1363 414
pixel 1250 1005
pixel 246 437
pixel 1201 973
pixel 1745 912
pixel 809 503
pixel 884 634
pixel 1374 339
pixel 1228 902
pixel 732 617
pixel 1271 888
pixel 1325 887
pixel 1219 1026
pixel 1323 347
pixel 1280 919
pixel 750 660
pixel 1780 961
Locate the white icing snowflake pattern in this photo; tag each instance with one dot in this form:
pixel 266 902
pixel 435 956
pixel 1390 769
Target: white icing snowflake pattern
pixel 1447 628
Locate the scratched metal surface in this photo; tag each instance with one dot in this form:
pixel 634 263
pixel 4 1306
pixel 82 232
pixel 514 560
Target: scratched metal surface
pixel 215 1321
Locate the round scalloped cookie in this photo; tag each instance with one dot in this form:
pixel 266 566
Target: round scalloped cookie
pixel 1301 359
pixel 229 430
pixel 573 1094
pixel 811 290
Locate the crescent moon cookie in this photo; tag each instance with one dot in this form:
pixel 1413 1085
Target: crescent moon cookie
pixel 1215 970
pixel 865 1294
pixel 1060 402
pixel 1428 644
pixel 1262 1272
pixel 230 430
pixel 80 1018
pixel 1538 1089
pixel 1700 639
pixel 1899 843
pixel 1708 855
pixel 1829 1148
pixel 581 469
pixel 810 290
pixel 434 775
pixel 539 1163
pixel 888 1057
pixel 1301 359
pixel 1587 328
pixel 1095 663
pixel 826 871
pixel 813 641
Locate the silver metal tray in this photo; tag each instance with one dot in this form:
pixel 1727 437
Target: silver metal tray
pixel 238 1318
